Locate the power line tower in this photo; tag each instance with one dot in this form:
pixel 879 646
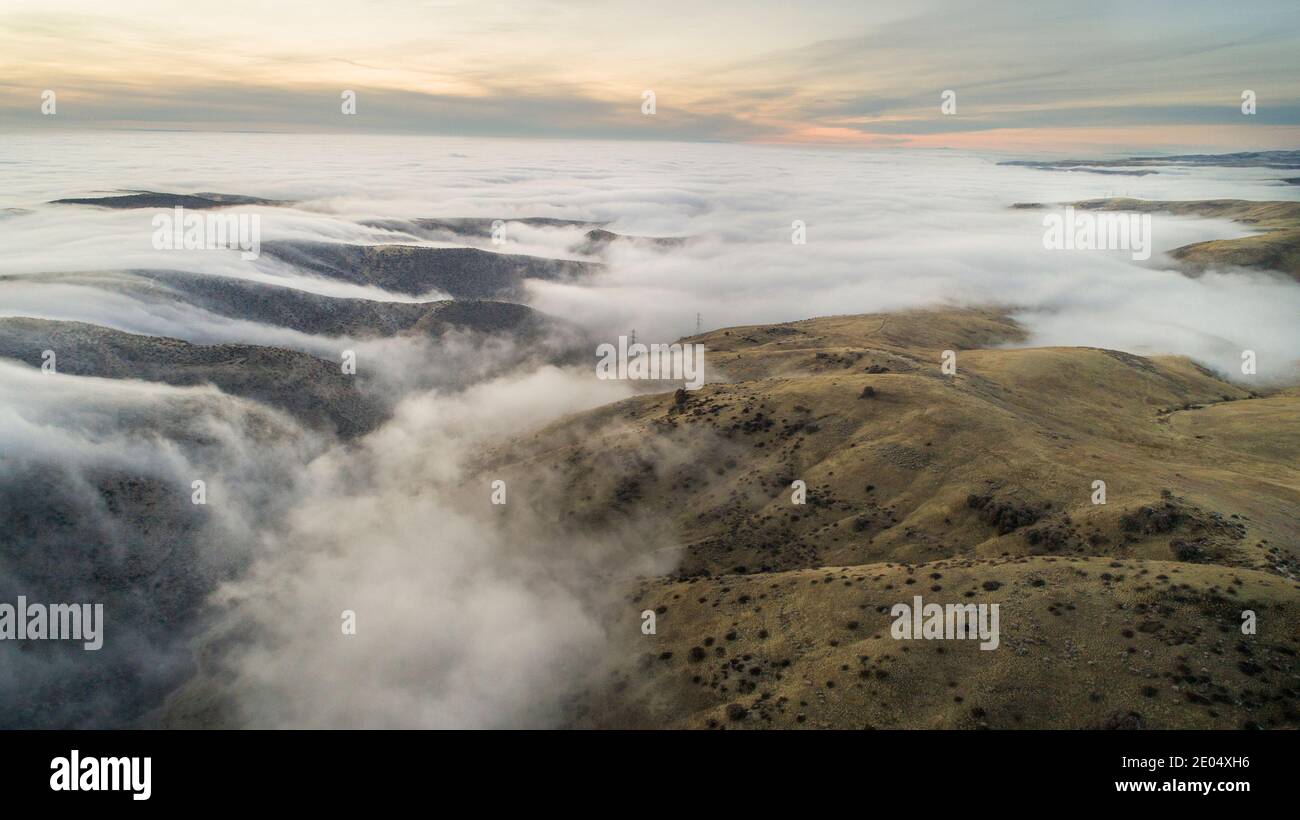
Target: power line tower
pixel 631 339
pixel 699 324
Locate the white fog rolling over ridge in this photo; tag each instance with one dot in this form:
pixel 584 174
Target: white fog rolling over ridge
pixel 75 453
pixel 485 615
pixel 482 615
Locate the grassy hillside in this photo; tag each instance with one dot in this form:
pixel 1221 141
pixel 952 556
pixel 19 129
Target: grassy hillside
pixel 975 487
pixel 1276 249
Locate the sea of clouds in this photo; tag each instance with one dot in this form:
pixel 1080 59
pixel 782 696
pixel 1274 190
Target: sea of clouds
pixel 885 230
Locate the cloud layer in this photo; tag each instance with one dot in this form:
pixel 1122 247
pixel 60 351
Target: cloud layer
pixel 834 72
pixel 885 230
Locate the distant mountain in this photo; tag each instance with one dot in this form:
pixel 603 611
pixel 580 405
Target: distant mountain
pixel 469 227
pixel 462 273
pixel 1276 249
pixel 594 242
pixel 155 199
pixel 1244 159
pixel 306 312
pixel 598 241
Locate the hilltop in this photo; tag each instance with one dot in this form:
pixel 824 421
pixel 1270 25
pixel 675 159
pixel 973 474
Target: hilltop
pixel 971 488
pixel 1276 248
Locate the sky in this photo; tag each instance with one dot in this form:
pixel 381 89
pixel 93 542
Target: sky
pixel 1043 76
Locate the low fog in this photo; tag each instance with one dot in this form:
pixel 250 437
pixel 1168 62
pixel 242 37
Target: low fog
pixel 468 613
pixel 885 230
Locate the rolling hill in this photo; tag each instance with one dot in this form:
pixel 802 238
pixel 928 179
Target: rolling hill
pixel 972 488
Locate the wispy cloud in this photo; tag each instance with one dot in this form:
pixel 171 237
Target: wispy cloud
pixel 828 72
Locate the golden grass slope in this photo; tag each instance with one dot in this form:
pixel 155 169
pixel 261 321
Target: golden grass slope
pixel 1085 643
pixel 1277 248
pixel 970 488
